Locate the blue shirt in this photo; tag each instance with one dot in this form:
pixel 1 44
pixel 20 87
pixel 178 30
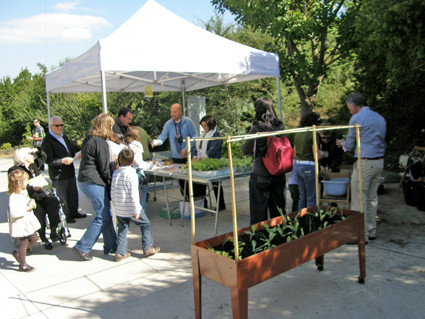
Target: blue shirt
pixel 372 134
pixel 185 127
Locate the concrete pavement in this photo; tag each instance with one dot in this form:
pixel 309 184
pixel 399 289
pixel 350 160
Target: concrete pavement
pixel 161 286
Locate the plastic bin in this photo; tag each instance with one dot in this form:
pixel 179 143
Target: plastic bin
pixel 163 213
pixel 186 211
pixel 336 186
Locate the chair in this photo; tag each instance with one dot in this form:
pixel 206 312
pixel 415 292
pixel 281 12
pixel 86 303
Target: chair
pixel 344 199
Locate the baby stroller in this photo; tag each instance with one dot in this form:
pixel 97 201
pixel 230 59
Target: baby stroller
pixel 63 229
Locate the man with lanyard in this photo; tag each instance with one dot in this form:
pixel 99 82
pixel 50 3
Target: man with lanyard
pixel 124 118
pixel 60 158
pixel 372 136
pixel 176 130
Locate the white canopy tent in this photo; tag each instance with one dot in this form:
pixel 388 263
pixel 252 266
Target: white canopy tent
pixel 157 49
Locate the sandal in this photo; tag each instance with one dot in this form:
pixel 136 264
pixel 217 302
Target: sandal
pixel 151 251
pixel 26 268
pixel 119 257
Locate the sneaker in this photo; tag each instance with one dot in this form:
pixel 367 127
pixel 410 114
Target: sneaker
pixel 151 251
pixel 119 257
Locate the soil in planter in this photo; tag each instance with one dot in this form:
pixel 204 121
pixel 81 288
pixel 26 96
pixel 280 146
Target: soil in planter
pixel 255 241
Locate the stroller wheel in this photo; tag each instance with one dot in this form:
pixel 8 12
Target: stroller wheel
pixel 62 236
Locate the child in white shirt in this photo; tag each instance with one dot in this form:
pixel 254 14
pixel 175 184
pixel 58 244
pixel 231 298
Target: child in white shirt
pixel 125 199
pixel 22 222
pixel 132 140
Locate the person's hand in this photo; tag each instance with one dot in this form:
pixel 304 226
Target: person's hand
pixel 156 143
pixel 183 153
pixel 136 217
pixel 322 169
pixel 340 142
pixel 31 205
pixel 36 188
pixel 67 160
pixel 77 155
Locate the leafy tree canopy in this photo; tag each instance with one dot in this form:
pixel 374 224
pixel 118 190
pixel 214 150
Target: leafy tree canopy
pixel 309 36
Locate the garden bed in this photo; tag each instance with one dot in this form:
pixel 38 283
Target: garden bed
pixel 239 275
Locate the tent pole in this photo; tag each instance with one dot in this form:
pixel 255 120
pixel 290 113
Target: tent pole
pixel 183 90
pixel 104 102
pixel 48 108
pixel 278 96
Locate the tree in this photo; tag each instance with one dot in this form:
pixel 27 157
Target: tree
pixel 309 36
pixel 391 67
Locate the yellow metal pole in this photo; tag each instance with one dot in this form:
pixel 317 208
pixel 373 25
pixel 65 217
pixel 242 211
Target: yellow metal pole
pixel 359 167
pixel 232 183
pixel 192 203
pixel 316 166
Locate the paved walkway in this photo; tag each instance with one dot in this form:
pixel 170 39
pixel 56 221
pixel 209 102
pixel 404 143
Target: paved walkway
pixel 161 286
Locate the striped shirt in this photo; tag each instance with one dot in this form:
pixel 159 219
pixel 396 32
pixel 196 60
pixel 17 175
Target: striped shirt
pixel 125 192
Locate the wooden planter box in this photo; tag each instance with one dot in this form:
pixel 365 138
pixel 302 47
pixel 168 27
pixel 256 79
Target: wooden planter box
pixel 243 274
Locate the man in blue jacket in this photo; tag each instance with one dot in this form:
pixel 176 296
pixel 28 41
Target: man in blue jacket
pixel 176 130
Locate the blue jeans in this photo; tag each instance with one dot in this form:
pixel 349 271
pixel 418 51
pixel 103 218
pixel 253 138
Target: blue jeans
pixel 145 228
pixel 102 224
pixel 143 193
pixel 306 185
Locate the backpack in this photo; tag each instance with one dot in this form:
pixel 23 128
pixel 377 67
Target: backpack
pixel 279 155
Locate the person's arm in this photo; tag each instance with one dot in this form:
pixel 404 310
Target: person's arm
pixel 214 149
pixel 350 142
pixel 48 148
pixel 134 194
pixel 17 206
pixel 163 136
pixel 248 145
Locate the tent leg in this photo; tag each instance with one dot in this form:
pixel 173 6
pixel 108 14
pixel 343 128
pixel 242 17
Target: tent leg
pixel 278 97
pixel 48 108
pixel 104 101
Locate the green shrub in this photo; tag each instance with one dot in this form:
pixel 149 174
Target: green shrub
pixel 6 146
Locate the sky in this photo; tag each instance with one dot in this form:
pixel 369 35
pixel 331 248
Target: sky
pixel 48 31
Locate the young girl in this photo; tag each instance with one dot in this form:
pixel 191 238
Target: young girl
pixel 132 140
pixel 22 222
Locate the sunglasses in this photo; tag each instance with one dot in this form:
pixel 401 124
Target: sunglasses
pixel 58 125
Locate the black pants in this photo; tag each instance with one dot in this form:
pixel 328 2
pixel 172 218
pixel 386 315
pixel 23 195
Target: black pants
pixel 67 191
pixel 266 192
pixel 295 195
pixel 221 205
pixel 48 206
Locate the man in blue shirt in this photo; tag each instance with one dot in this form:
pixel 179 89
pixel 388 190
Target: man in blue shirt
pixel 176 130
pixel 372 136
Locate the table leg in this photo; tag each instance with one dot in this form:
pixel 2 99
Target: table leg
pixel 197 286
pixel 217 208
pixel 239 303
pixel 166 200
